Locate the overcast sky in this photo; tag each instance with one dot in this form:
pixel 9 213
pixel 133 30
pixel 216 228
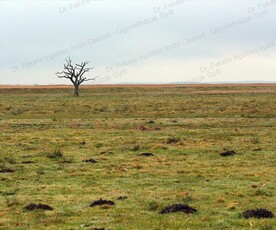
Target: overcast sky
pixel 139 41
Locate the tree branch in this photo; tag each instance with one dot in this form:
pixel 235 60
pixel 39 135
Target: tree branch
pixel 88 79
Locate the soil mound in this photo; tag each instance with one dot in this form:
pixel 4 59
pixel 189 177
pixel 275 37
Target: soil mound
pixel 6 171
pixel 146 154
pixel 27 162
pixel 258 149
pixel 141 127
pixel 106 153
pixel 173 140
pixel 90 161
pixel 101 202
pixel 228 153
pixel 258 213
pixel 33 206
pixel 65 161
pixel 178 208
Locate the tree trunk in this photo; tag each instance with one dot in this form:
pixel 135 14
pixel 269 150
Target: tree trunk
pixel 76 91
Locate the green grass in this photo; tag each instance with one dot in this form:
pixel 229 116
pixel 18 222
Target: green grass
pixel 49 127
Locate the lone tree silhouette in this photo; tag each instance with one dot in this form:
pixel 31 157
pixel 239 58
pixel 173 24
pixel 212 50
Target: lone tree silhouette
pixel 75 74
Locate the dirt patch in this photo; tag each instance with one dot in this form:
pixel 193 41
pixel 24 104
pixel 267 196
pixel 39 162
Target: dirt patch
pixel 258 213
pixel 178 208
pixel 101 202
pixel 228 153
pixel 90 161
pixel 146 154
pixel 6 171
pixel 33 206
pixel 122 198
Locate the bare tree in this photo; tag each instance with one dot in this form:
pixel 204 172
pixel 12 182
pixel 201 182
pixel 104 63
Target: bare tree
pixel 75 74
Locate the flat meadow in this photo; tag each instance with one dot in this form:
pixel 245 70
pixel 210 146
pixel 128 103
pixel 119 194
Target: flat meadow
pixel 67 152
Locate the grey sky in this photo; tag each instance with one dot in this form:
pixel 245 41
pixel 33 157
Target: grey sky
pixel 139 41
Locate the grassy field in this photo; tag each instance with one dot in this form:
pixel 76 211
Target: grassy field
pixel 46 134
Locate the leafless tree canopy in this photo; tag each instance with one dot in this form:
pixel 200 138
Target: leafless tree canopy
pixel 75 73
